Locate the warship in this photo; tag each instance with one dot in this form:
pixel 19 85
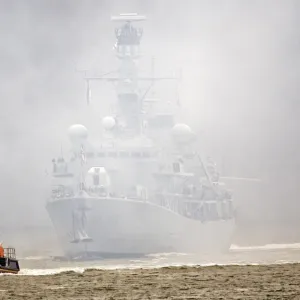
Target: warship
pixel 143 187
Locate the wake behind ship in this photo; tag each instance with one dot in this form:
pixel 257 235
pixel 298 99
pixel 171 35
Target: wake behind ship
pixel 143 187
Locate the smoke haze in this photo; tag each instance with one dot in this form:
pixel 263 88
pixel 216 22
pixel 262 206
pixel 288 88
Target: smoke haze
pixel 240 62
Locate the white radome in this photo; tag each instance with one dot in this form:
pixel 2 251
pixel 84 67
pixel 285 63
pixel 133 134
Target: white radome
pixel 108 122
pixel 78 132
pixel 181 131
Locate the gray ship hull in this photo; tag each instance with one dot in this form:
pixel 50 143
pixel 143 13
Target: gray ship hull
pixel 122 227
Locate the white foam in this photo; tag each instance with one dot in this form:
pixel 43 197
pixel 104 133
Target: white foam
pixel 43 272
pixel 34 258
pixel 39 272
pixel 240 256
pixel 266 247
pixel 167 254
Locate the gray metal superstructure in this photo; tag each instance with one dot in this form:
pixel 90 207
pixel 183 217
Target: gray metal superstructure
pixel 143 188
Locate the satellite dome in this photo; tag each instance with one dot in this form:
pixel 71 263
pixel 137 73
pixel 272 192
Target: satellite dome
pixel 78 132
pixel 108 122
pixel 181 129
pixel 182 132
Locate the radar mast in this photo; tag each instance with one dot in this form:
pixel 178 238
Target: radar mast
pixel 130 95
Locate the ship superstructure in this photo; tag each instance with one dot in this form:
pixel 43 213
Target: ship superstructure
pixel 143 187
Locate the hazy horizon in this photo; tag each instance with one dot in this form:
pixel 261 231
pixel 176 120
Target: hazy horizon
pixel 240 64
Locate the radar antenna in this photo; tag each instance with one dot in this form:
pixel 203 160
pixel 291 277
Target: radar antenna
pixel 127 80
pixel 128 17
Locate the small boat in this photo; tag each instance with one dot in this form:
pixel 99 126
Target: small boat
pixel 8 261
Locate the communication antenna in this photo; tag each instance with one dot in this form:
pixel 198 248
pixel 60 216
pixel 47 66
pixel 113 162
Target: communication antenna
pixel 61 150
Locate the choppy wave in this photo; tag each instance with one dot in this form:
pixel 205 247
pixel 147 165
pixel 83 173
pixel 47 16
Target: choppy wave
pixel 254 255
pixel 40 272
pixel 34 257
pixel 43 272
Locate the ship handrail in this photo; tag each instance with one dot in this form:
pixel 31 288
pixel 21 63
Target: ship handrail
pixel 10 252
pixel 59 175
pixel 189 198
pixel 138 78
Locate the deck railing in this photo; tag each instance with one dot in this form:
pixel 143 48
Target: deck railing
pixel 10 253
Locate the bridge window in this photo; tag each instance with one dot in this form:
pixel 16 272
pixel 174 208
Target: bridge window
pixel 161 121
pixel 176 167
pixel 146 154
pixel 124 154
pixel 136 154
pixel 112 154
